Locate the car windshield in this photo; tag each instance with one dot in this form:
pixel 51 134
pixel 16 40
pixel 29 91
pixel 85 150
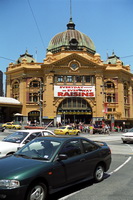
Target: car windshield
pixel 16 137
pixel 41 149
pixel 130 130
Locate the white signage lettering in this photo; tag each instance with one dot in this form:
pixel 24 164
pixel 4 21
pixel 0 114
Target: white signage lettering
pixel 74 91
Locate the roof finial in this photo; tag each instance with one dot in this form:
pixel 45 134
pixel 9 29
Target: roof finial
pixel 107 54
pixel 71 25
pixel 113 53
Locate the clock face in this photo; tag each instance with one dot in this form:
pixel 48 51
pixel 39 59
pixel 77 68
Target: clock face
pixel 74 66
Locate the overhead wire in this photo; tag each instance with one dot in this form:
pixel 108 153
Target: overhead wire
pixel 127 56
pixel 7 58
pixel 36 24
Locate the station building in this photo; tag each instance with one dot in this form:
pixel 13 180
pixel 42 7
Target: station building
pixel 72 84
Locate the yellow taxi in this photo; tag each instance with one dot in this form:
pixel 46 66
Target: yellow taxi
pixel 66 130
pixel 11 125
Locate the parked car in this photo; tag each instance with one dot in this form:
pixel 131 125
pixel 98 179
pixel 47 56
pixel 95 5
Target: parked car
pixel 32 126
pixel 48 164
pixel 67 130
pixel 12 125
pixel 2 128
pixel 12 142
pixel 127 137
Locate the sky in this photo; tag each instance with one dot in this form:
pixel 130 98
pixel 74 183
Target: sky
pixel 31 24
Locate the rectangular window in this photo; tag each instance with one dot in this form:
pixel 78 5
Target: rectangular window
pixel 69 79
pixel 60 79
pixel 30 97
pixel 64 103
pixel 69 103
pixel 79 79
pixel 87 79
pixel 74 103
pixel 35 97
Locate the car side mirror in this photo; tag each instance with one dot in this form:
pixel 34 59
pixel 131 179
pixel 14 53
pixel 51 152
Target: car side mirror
pixel 62 157
pixel 26 141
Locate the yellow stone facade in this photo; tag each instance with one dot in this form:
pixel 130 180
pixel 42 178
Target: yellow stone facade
pixel 33 84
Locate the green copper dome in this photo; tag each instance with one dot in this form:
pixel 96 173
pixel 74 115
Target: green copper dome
pixel 112 59
pixel 27 56
pixel 71 39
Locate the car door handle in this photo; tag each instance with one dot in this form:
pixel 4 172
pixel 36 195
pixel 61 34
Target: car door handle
pixel 82 159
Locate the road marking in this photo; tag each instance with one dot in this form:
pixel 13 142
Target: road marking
pixel 130 147
pixel 66 197
pixel 118 168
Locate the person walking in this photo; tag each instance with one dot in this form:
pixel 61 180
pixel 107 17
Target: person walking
pixel 107 129
pixel 91 129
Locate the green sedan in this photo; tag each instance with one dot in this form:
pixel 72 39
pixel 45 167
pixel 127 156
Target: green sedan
pixel 48 164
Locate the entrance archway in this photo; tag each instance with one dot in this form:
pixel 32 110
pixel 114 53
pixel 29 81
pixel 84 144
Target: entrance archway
pixel 33 116
pixel 74 110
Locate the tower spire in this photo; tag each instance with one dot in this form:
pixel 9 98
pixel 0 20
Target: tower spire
pixel 70 9
pixel 71 25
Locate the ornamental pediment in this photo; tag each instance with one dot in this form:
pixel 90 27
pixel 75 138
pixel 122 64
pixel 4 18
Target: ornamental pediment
pixel 74 61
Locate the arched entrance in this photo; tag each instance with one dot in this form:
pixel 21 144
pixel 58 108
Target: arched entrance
pixel 33 116
pixel 74 110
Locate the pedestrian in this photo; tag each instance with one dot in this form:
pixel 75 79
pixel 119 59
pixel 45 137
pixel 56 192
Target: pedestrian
pixel 107 129
pixel 87 129
pixel 91 129
pixel 81 128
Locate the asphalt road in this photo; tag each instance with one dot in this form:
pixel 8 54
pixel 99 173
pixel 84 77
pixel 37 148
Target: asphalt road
pixel 118 182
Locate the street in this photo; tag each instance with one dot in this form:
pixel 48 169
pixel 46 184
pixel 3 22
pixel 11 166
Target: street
pixel 118 182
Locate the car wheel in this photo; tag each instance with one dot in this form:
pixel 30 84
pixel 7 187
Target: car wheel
pixel 124 142
pixel 99 173
pixel 10 154
pixel 37 191
pixel 77 133
pixel 66 133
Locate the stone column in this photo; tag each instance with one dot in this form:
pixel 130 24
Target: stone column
pixel 48 96
pixel 99 96
pixel 131 101
pixel 121 98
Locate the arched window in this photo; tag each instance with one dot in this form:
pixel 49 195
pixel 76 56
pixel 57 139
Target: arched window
pixel 73 43
pixel 74 104
pixel 109 84
pixel 34 84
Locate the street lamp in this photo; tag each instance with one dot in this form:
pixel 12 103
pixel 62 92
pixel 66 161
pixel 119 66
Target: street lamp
pixel 41 102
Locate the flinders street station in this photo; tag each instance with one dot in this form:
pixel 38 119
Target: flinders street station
pixel 72 84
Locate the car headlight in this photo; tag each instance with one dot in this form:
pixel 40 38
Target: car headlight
pixel 9 184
